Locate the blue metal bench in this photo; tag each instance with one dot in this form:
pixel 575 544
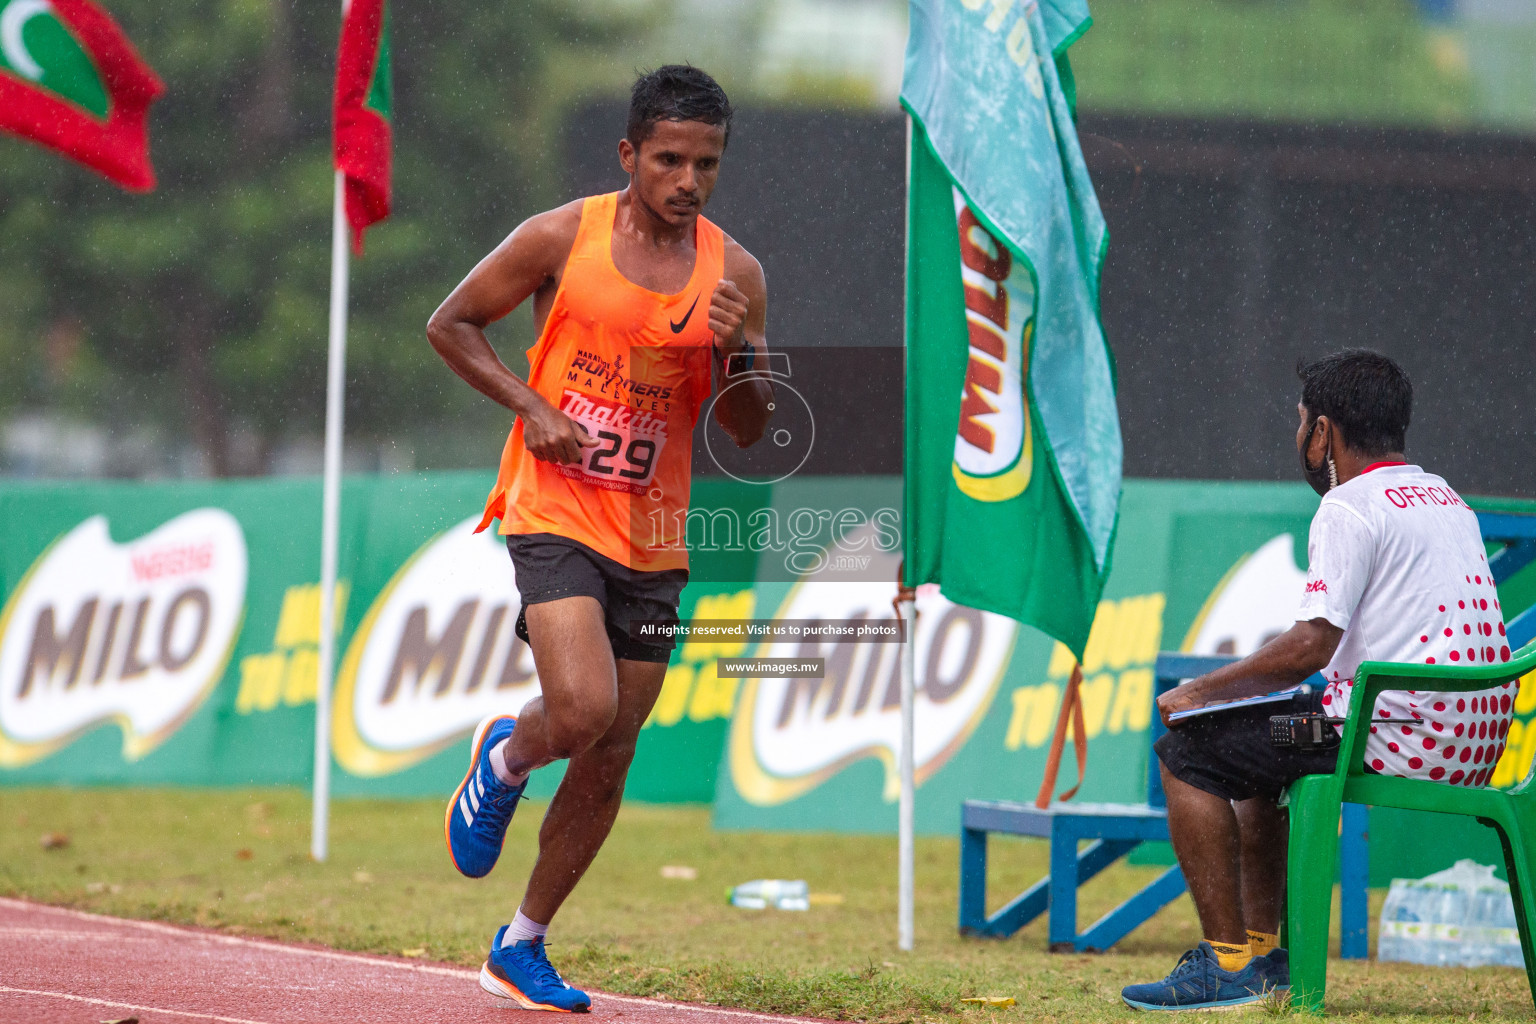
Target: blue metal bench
pixel 1114 830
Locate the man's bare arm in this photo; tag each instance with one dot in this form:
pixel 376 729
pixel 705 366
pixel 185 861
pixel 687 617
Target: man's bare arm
pixel 530 258
pixel 1305 648
pixel 738 314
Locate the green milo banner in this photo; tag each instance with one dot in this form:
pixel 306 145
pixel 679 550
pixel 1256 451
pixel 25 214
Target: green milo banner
pixel 167 634
pixel 155 634
pixel 1209 568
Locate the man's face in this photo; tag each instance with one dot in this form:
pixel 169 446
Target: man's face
pixel 674 170
pixel 1313 443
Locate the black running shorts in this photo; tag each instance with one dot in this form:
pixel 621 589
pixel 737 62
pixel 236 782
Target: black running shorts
pixel 550 567
pixel 1229 754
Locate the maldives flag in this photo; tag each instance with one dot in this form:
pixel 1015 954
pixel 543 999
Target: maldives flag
pixel 363 97
pixel 70 80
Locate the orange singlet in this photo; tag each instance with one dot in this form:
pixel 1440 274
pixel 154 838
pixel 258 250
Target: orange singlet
pixel 632 366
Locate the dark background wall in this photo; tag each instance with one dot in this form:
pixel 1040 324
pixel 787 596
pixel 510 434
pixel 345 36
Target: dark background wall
pixel 1235 250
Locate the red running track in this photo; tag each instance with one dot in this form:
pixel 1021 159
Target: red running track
pixel 67 967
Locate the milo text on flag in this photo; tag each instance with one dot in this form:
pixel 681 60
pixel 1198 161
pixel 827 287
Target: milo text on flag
pixel 1013 439
pixel 364 95
pixel 71 81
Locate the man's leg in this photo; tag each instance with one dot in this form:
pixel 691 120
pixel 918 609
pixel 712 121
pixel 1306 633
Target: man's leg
pixel 584 807
pixel 580 694
pixel 580 688
pixel 588 799
pixel 1231 848
pixel 1204 831
pixel 1221 970
pixel 1263 831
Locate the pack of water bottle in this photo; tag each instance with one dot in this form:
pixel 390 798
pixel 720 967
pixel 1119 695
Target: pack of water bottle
pixel 1460 917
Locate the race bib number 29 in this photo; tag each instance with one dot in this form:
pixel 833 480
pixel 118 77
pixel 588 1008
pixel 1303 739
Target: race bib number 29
pixel 629 443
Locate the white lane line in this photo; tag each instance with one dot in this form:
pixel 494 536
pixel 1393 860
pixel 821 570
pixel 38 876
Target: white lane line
pixel 60 933
pixel 126 1006
pixel 236 940
pixel 328 954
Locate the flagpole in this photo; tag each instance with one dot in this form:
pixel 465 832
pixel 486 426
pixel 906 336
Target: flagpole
pixel 330 521
pixel 904 880
pixel 905 812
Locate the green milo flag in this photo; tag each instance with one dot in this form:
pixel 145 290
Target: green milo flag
pixel 1012 436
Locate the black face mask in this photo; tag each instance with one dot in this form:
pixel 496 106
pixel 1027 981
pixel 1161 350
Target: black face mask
pixel 1318 477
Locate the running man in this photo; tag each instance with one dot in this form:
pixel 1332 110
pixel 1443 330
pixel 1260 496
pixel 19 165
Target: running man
pixel 641 305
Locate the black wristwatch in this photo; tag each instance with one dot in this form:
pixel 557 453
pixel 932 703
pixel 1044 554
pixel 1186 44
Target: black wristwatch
pixel 748 355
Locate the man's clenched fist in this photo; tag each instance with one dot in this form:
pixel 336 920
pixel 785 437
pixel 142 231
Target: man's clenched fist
pixel 552 436
pixel 727 313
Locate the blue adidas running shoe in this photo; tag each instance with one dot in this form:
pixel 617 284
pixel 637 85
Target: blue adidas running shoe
pixel 482 806
pixel 521 972
pixel 1199 983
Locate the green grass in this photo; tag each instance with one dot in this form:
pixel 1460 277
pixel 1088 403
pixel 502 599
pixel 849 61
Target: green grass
pixel 238 861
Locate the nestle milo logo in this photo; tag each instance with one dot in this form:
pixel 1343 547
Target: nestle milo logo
pixel 790 735
pixel 136 633
pixel 1254 602
pixel 424 659
pixel 434 654
pixel 994 449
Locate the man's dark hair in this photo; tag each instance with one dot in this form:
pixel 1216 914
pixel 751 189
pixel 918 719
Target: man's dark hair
pixel 1366 395
pixel 676 92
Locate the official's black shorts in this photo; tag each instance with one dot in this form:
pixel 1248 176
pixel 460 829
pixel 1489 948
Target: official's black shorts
pixel 1229 754
pixel 550 567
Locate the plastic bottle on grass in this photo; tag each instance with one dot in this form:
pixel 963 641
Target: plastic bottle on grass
pixel 1460 917
pixel 777 893
pixel 1404 935
pixel 1495 934
pixel 1450 923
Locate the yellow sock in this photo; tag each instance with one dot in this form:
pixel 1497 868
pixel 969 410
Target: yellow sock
pixel 1230 957
pixel 1262 942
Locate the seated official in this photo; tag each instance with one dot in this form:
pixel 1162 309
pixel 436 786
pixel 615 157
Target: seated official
pixel 1397 572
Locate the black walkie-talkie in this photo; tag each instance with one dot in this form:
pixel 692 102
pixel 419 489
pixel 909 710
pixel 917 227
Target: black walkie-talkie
pixel 1310 731
pixel 1315 730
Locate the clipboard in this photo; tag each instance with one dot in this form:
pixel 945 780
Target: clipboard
pixel 1299 690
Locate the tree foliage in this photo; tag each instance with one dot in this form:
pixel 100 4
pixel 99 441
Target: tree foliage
pixel 201 307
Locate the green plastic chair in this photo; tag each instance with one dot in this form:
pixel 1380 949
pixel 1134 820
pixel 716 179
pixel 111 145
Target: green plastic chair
pixel 1315 802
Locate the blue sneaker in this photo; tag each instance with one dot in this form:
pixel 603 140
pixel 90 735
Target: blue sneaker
pixel 1277 969
pixel 521 972
pixel 1198 983
pixel 482 806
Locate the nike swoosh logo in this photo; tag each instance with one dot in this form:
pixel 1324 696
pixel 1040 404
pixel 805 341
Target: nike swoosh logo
pixel 677 328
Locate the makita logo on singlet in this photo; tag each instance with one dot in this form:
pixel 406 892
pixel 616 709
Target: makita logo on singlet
pixel 596 412
pixel 630 442
pixel 1317 587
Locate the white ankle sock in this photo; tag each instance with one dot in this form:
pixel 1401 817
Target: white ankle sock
pixel 523 927
pixel 500 769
